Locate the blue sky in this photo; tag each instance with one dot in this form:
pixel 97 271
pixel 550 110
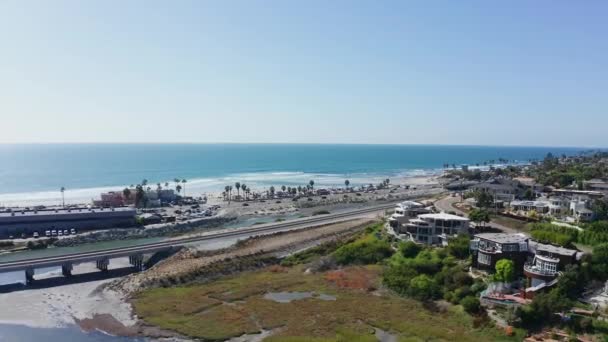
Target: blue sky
pixel 404 72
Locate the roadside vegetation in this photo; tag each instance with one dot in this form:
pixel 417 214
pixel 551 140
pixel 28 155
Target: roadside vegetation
pixel 355 287
pixel 591 234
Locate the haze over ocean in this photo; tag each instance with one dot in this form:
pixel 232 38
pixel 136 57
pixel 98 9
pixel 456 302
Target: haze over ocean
pixel 36 171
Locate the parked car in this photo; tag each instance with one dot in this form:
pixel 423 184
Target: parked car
pixel 59 232
pixel 36 235
pixel 53 232
pixel 47 233
pixel 72 231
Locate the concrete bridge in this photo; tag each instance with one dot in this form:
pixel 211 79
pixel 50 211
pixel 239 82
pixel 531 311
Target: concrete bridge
pixel 136 253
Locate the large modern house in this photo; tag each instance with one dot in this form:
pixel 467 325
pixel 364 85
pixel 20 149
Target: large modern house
pixel 29 221
pixel 404 212
pixel 432 229
pixel 547 261
pixel 488 248
pixel 539 263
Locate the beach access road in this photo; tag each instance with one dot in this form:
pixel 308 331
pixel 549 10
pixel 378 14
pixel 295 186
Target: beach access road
pixel 446 204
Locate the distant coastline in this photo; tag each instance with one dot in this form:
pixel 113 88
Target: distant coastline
pixel 33 174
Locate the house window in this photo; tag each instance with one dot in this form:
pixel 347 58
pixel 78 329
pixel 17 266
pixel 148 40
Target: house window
pixel 484 259
pixel 509 248
pixel 548 266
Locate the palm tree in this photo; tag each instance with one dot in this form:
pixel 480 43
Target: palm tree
pixel 178 188
pixel 158 187
pixel 139 195
pixel 226 190
pixel 229 192
pixel 184 185
pixel 272 191
pixel 346 183
pixel 237 185
pixel 127 193
pixel 299 188
pixel 283 187
pixel 144 182
pixel 62 196
pixel 312 184
pixel 176 180
pixel 166 184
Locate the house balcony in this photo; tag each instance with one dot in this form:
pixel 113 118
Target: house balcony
pixel 489 249
pixel 534 271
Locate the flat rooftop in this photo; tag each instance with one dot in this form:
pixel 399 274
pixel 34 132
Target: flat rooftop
pixel 531 203
pixel 66 211
pixel 443 216
pixel 534 245
pixel 503 237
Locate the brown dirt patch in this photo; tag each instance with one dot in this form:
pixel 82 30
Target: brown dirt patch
pixel 358 278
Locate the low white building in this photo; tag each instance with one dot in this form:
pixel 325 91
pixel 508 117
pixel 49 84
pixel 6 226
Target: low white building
pixel 404 212
pixel 541 207
pixel 432 229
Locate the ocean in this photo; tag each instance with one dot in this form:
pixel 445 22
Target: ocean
pixel 34 173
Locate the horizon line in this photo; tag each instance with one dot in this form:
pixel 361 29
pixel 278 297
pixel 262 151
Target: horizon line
pixel 296 143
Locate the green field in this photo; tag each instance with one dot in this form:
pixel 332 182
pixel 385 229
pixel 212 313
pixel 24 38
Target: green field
pixel 235 305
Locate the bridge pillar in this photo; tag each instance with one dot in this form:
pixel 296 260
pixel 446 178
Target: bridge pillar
pixel 66 269
pixel 29 275
pixel 102 264
pixel 137 260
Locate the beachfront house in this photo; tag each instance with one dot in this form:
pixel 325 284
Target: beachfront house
pixel 110 199
pixel 435 229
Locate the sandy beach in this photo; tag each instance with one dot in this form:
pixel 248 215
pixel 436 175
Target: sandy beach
pixel 59 306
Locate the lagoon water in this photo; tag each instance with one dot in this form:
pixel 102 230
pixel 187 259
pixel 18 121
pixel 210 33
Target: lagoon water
pixel 33 173
pixel 18 333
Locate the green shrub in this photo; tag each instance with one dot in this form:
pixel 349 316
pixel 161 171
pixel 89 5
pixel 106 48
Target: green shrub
pixel 369 250
pixel 409 249
pixel 505 271
pixel 471 304
pixel 551 233
pixel 423 287
pixel 459 247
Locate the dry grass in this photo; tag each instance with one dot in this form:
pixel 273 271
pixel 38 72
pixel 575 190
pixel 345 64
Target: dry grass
pixel 236 305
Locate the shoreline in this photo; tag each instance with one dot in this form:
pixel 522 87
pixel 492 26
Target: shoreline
pixel 213 187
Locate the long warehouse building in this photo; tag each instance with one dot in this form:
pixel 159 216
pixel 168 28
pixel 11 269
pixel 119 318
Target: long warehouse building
pixel 15 223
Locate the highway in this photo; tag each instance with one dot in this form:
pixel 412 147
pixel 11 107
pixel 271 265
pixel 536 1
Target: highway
pixel 302 223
